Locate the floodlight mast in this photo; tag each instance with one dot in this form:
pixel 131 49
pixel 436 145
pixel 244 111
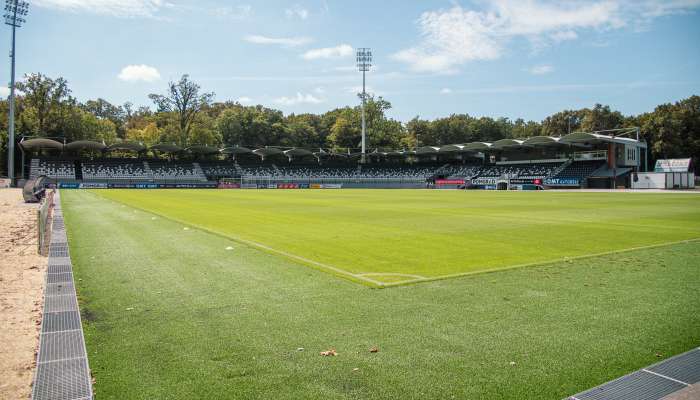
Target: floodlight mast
pixel 364 62
pixel 15 11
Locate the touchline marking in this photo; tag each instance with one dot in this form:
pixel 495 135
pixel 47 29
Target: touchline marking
pixel 666 377
pixel 270 249
pixel 392 274
pixel 418 278
pixel 63 359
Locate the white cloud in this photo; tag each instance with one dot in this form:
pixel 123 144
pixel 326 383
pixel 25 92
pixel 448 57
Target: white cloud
pixel 541 69
pixel 562 36
pixel 343 50
pixel 117 8
pixel 135 73
pixel 281 41
pixel 4 92
pixel 455 36
pixel 239 12
pixel 244 100
pixel 445 91
pixel 297 11
pixel 298 99
pixel 660 8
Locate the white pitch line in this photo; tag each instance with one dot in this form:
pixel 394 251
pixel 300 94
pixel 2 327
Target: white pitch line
pixel 272 250
pixel 392 274
pixel 666 377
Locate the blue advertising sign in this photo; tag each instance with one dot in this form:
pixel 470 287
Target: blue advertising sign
pixel 562 182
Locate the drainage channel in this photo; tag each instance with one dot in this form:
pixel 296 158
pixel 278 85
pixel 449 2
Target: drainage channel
pixel 62 371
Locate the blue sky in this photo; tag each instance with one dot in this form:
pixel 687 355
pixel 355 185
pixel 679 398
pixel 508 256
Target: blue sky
pixel 526 58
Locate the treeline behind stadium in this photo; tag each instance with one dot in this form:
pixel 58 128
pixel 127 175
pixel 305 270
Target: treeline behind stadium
pixel 186 116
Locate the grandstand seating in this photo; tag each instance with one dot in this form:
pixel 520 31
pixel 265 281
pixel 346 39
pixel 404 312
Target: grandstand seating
pixel 216 171
pixel 164 171
pixel 460 171
pixel 524 171
pixel 579 170
pixel 56 169
pixel 115 170
pixel 139 170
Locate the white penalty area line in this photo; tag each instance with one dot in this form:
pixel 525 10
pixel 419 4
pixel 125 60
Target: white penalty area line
pixel 536 264
pixel 415 278
pixel 266 248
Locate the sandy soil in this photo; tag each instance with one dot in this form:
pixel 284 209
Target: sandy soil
pixel 21 287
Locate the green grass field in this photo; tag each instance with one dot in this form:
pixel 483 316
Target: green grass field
pixel 177 314
pixel 385 237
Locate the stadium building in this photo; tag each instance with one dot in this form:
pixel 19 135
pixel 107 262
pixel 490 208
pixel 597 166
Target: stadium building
pixel 577 160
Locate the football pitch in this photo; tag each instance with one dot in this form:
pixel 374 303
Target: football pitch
pixel 177 303
pixel 389 237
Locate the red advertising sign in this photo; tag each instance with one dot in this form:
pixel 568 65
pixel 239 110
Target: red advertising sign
pixel 449 182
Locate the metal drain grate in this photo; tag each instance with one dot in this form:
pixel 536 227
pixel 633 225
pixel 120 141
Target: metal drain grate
pixel 59 277
pixel 59 268
pixel 68 379
pixel 61 346
pixel 639 385
pixel 684 367
pixel 59 237
pixel 58 289
pixel 60 321
pixel 66 302
pixel 62 367
pixel 58 250
pixel 59 261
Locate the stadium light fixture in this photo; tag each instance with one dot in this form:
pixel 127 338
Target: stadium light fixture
pixel 15 13
pixel 364 62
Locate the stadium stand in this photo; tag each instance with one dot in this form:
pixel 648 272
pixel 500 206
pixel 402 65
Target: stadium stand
pixel 56 169
pixel 579 170
pixel 216 171
pixel 185 172
pixel 115 170
pixel 524 171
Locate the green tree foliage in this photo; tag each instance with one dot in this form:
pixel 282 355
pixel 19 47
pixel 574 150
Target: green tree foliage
pixel 184 99
pixel 186 116
pixel 45 99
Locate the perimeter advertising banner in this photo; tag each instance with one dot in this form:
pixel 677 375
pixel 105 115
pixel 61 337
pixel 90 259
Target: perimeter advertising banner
pixel 484 181
pixel 229 185
pixel 673 165
pixel 449 182
pixel 562 182
pixel 102 185
pixel 93 185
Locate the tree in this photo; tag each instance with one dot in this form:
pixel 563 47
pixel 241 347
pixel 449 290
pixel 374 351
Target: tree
pixel 563 122
pixel 103 109
pixel 185 100
pixel 344 134
pixel 418 133
pixel 44 96
pixel 601 118
pixel 149 135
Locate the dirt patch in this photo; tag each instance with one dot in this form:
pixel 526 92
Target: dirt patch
pixel 21 294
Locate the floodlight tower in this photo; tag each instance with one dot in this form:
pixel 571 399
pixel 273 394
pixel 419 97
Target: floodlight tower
pixel 15 12
pixel 364 62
